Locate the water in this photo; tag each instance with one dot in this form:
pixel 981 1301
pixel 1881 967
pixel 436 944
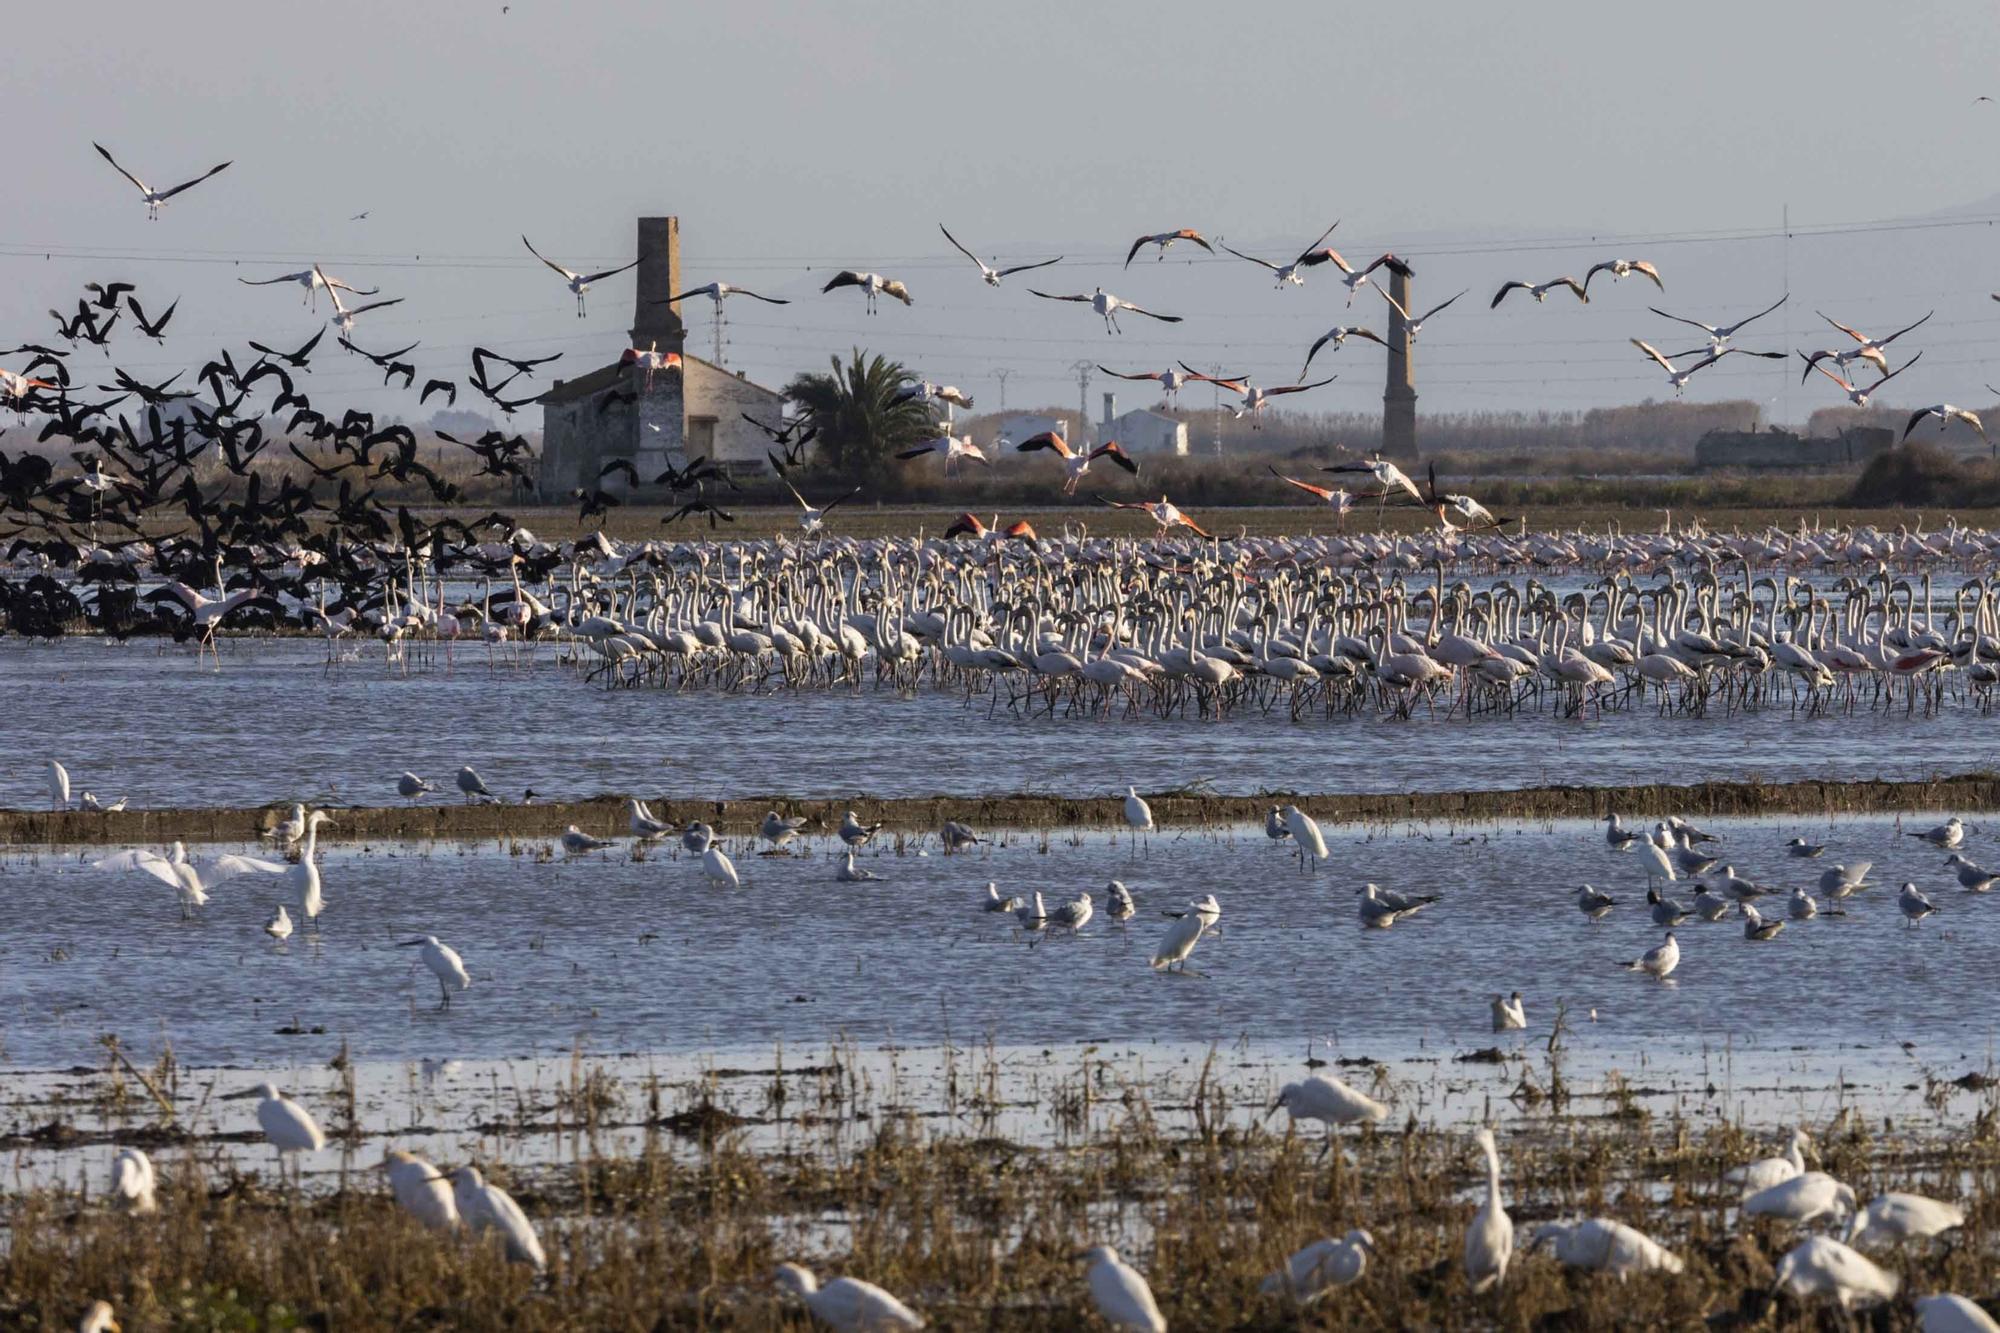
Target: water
pixel 613 955
pixel 138 721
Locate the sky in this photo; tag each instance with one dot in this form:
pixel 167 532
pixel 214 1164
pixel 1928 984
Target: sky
pixel 1482 142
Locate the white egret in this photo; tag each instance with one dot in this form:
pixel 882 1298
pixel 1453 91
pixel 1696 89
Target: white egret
pixel 444 964
pixel 287 1126
pixel 191 879
pixel 1822 1266
pixel 1805 1198
pixel 304 877
pixel 279 927
pixel 58 786
pixel 716 865
pixel 485 1207
pixel 576 842
pixel 1121 1295
pixel 1509 1014
pixel 847 1303
pixel 1949 1313
pixel 1138 815
pixel 1769 1171
pixel 421 1189
pixel 1320 1267
pixel 99 1318
pixel 132 1180
pixel 850 873
pixel 1895 1217
pixel 1659 961
pixel 1489 1238
pixel 1178 942
pixel 1605 1246
pixel 1306 837
pixel 1328 1101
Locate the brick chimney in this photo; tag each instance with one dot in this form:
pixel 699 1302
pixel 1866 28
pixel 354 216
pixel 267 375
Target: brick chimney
pixel 1110 409
pixel 659 277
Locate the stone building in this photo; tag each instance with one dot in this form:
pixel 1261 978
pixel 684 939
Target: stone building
pixel 1143 430
pixel 687 409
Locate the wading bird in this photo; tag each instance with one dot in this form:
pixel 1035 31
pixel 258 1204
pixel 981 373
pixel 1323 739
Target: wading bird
pixel 1076 462
pixel 872 285
pixel 987 272
pixel 444 964
pixel 1621 268
pixel 1107 306
pixel 1122 1298
pixel 1489 1238
pixel 1720 334
pixel 578 283
pixel 847 1304
pixel 1539 290
pixel 155 199
pixel 485 1207
pixel 1165 240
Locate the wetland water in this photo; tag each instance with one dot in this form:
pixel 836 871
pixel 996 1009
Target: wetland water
pixel 143 721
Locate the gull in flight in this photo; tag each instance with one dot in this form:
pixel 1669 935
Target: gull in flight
pixel 154 198
pixel 578 283
pixel 987 272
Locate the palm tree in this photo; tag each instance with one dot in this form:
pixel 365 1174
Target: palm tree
pixel 861 421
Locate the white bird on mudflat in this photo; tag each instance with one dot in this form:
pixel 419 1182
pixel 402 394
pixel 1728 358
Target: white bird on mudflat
pixel 1320 1267
pixel 99 1318
pixel 1895 1217
pixel 1799 847
pixel 1972 878
pixel 485 1207
pixel 132 1181
pixel 1839 881
pixel 956 837
pixel 1757 927
pixel 1804 1198
pixel 717 866
pixel 1659 961
pixel 444 964
pixel 847 1303
pixel 1306 837
pixel 575 841
pixel 279 927
pixel 421 1189
pixel 1593 903
pixel 1945 836
pixel 1912 903
pixel 1605 1245
pixel 1769 1171
pixel 1329 1101
pixel 1121 1295
pixel 1179 941
pixel 1489 1238
pixel 1822 1266
pixel 1119 905
pixel 287 1126
pixel 58 786
pixel 850 873
pixel 1509 1013
pixel 778 830
pixel 639 820
pixel 993 902
pixel 855 833
pixel 1946 1313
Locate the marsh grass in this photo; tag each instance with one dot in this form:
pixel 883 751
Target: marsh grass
pixel 930 1197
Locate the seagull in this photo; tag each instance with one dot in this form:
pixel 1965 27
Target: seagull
pixel 1275 827
pixel 640 822
pixel 1944 412
pixel 1616 836
pixel 1120 906
pixel 154 198
pixel 1509 1014
pixel 1838 882
pixel 717 291
pixel 993 902
pixel 1075 914
pixel 1412 327
pixel 1756 927
pixel 1659 961
pixel 1205 907
pixel 1720 334
pixel 1165 240
pixel 410 786
pixel 1076 462
pixel 850 873
pixel 89 802
pixel 847 1304
pixel 1539 290
pixel 1801 907
pixel 957 837
pixel 575 841
pixel 1621 268
pixel 1799 847
pixel 1593 903
pixel 1944 836
pixel 778 830
pixel 1381 910
pixel 279 927
pixel 1970 876
pixel 1032 915
pixel 1913 904
pixel 1822 1266
pixel 470 783
pixel 855 833
pixel 1107 306
pixel 578 283
pixel 1665 911
pixel 872 285
pixel 1710 906
pixel 987 272
pixel 344 317
pixel 1121 1295
pixel 696 837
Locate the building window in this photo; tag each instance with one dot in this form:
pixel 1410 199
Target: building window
pixel 701 437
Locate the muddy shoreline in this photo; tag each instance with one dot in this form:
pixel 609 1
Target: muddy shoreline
pixel 1965 793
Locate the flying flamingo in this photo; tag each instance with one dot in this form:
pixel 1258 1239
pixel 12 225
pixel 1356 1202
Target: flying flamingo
pixel 1254 398
pixel 1341 502
pixel 578 283
pixel 1869 349
pixel 1076 462
pixel 716 291
pixel 1316 254
pixel 154 198
pixel 1720 334
pixel 1170 381
pixel 871 284
pixel 1340 333
pixel 343 318
pixel 1412 326
pixel 16 387
pixel 1859 394
pixel 993 275
pixel 1163 512
pixel 1539 290
pixel 1165 240
pixel 953 447
pixel 1679 378
pixel 1108 306
pixel 1946 414
pixel 1621 268
pixel 313 280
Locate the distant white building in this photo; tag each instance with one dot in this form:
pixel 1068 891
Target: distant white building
pixel 1143 430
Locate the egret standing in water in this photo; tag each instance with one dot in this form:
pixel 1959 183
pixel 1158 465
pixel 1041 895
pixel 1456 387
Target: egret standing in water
pixel 1489 1240
pixel 58 786
pixel 1509 1014
pixel 1178 942
pixel 287 1126
pixel 445 965
pixel 132 1180
pixel 847 1303
pixel 1121 1295
pixel 1328 1101
pixel 304 877
pixel 717 866
pixel 1306 837
pixel 1138 815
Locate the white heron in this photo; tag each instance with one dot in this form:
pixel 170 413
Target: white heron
pixel 716 865
pixel 132 1180
pixel 1489 1238
pixel 58 786
pixel 288 1127
pixel 847 1303
pixel 1659 961
pixel 1947 1313
pixel 1822 1266
pixel 1769 1171
pixel 485 1207
pixel 1138 815
pixel 1803 1199
pixel 1895 1217
pixel 444 964
pixel 1320 1267
pixel 1605 1245
pixel 304 877
pixel 190 878
pixel 421 1190
pixel 1328 1101
pixel 99 1318
pixel 1306 837
pixel 1179 941
pixel 1121 1295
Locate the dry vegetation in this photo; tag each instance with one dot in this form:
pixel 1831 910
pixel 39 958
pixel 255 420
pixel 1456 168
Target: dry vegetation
pixel 978 1230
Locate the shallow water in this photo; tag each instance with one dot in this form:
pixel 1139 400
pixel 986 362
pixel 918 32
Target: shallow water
pixel 614 955
pixel 147 723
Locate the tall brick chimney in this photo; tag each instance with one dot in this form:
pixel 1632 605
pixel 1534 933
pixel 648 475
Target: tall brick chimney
pixel 1399 395
pixel 659 277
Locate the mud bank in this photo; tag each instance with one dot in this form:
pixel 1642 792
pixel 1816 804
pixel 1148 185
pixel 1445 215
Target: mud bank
pixel 605 815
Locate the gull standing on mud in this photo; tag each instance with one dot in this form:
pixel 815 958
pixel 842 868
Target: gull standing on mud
pixel 779 830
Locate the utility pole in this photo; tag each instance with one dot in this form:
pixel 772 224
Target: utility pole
pixel 1785 367
pixel 718 333
pixel 1216 370
pixel 1082 369
pixel 1002 375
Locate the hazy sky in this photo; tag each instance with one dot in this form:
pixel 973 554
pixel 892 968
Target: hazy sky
pixel 793 139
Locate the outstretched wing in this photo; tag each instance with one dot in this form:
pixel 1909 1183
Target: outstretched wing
pixel 1252 258
pixel 609 272
pixel 1050 296
pixel 961 249
pixel 105 153
pixel 566 274
pixel 1023 268
pixel 189 185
